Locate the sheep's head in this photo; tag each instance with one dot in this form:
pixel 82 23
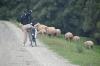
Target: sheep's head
pixel 36 25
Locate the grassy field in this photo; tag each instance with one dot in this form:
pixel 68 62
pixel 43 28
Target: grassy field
pixel 73 51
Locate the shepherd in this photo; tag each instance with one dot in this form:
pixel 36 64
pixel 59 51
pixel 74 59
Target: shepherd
pixel 27 27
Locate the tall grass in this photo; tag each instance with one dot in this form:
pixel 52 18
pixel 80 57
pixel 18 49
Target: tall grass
pixel 73 51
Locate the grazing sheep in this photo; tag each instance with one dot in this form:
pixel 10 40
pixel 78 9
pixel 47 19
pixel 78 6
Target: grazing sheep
pixel 50 31
pixel 58 32
pixel 39 26
pixel 88 44
pixel 36 25
pixel 68 36
pixel 76 38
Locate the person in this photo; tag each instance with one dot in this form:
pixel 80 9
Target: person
pixel 26 25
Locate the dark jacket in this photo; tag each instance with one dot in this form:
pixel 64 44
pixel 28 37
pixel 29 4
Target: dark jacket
pixel 26 18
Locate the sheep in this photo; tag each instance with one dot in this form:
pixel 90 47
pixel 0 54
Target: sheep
pixel 42 31
pixel 76 38
pixel 89 44
pixel 68 36
pixel 39 26
pixel 36 25
pixel 58 32
pixel 50 31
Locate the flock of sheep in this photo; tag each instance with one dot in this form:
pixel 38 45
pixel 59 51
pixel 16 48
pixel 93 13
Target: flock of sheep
pixel 52 31
pixel 69 36
pixel 43 29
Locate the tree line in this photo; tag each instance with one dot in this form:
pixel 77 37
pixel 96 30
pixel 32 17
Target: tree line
pixel 82 17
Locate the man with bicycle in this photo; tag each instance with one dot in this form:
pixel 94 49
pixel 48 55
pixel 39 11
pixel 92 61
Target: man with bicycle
pixel 25 20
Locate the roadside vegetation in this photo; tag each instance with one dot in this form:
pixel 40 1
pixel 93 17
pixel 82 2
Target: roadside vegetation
pixel 73 51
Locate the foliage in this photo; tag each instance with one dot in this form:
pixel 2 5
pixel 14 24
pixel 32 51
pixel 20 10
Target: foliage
pixel 75 52
pixel 78 16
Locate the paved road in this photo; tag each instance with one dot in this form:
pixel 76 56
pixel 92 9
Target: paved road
pixel 12 52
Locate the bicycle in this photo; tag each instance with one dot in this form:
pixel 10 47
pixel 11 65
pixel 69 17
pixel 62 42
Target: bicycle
pixel 32 36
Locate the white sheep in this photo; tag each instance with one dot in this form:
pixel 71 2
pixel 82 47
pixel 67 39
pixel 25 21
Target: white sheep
pixel 89 44
pixel 76 38
pixel 58 32
pixel 68 35
pixel 39 26
pixel 50 31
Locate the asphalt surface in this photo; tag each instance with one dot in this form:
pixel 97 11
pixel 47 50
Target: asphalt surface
pixel 12 52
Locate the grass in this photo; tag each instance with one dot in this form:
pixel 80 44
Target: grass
pixel 73 51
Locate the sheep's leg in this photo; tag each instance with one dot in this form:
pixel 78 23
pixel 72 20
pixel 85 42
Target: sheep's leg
pixel 69 40
pixel 92 47
pixel 89 47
